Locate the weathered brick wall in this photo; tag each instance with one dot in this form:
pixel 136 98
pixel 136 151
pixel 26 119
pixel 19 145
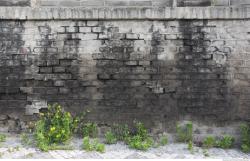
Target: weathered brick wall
pixel 157 71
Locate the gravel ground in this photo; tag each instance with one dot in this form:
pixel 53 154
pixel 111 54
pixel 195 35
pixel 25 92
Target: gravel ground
pixel 13 149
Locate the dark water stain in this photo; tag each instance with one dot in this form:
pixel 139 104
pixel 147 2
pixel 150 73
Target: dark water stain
pixel 204 94
pixel 186 3
pixel 165 112
pixel 12 69
pixel 59 70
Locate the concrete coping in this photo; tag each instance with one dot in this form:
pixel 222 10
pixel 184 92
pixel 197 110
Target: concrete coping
pixel 124 13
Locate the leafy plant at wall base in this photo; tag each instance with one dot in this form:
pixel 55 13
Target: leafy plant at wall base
pixel 25 140
pixel 245 148
pixel 86 144
pixel 54 127
pixel 163 140
pixel 79 122
pixel 41 141
pixel 2 138
pixel 121 132
pixel 141 139
pixel 110 138
pixel 189 127
pixel 226 142
pixel 245 138
pixel 184 133
pixel 209 142
pixel 90 129
pixel 100 147
pixel 141 130
pixel 137 142
pixel 190 146
pixel 91 145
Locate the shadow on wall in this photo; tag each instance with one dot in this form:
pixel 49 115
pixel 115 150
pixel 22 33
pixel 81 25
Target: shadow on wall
pixel 22 3
pixel 64 70
pixel 132 87
pixel 13 61
pixel 89 65
pixel 118 83
pixel 204 93
pixel 58 66
pixel 124 74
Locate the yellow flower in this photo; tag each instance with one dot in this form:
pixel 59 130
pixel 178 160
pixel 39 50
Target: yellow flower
pixel 68 114
pixel 52 128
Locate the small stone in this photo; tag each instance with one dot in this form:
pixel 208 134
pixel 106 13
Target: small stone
pixel 3 117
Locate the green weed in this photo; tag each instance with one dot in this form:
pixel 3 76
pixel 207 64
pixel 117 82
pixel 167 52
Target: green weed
pixel 90 129
pixel 141 140
pixel 209 142
pixel 2 137
pixel 185 133
pixel 245 138
pixel 110 138
pixel 91 145
pixel 226 142
pixel 25 140
pixel 54 127
pixel 163 140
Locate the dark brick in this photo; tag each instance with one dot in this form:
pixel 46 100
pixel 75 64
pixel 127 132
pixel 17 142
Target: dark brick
pixel 103 76
pixel 21 3
pixel 59 83
pixel 64 90
pixel 239 2
pixel 65 62
pixel 51 90
pixel 45 69
pixel 69 3
pixel 184 3
pixel 93 3
pixel 140 3
pixel 116 3
pixel 58 69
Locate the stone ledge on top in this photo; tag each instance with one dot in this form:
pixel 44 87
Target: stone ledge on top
pixel 124 3
pixel 151 3
pixel 124 13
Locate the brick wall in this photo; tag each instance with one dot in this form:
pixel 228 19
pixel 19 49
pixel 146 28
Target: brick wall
pixel 157 71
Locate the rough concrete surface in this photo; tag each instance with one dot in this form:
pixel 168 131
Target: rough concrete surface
pixel 13 149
